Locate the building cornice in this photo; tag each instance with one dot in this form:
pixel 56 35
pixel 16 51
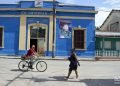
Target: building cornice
pixel 80 11
pixel 33 9
pixel 48 9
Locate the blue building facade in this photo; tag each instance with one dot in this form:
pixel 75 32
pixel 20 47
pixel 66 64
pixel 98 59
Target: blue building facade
pixel 28 23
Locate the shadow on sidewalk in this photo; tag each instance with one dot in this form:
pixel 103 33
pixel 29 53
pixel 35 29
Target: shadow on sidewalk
pixel 15 70
pixel 87 82
pixel 11 81
pixel 99 82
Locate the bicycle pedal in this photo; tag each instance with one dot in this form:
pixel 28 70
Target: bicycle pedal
pixel 31 68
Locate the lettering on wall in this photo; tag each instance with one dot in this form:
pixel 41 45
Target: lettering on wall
pixel 36 13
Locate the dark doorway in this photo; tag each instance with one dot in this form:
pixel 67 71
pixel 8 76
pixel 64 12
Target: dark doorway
pixel 33 42
pixel 79 39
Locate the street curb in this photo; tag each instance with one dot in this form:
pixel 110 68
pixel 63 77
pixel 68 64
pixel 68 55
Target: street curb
pixel 48 58
pixel 60 59
pixel 51 59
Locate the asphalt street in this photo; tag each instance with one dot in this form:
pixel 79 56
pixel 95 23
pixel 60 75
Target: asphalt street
pixel 91 73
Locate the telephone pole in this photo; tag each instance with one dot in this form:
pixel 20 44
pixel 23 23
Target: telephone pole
pixel 54 17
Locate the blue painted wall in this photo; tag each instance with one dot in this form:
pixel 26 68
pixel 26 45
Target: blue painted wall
pixel 9 5
pixel 64 45
pixel 26 4
pixel 11 35
pixel 73 14
pixel 46 4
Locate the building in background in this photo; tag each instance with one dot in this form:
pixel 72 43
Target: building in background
pixel 108 38
pixel 30 22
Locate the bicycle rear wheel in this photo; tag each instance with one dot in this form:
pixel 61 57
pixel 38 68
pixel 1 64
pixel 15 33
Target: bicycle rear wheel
pixel 23 65
pixel 41 66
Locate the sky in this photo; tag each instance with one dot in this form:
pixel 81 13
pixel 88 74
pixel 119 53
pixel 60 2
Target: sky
pixel 102 6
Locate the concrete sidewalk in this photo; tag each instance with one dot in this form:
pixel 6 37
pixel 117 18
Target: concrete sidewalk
pixel 91 73
pixel 50 58
pixel 62 58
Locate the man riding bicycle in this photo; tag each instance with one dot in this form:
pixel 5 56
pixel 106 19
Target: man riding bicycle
pixel 31 53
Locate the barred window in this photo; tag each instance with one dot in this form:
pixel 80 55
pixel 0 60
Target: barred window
pixel 37 32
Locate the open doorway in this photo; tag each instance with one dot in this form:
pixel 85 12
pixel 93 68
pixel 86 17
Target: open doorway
pixel 37 38
pixel 33 42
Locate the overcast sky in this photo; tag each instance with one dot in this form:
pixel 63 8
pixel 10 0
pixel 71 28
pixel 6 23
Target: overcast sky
pixel 102 6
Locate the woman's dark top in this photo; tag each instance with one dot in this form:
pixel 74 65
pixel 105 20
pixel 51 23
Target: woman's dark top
pixel 73 61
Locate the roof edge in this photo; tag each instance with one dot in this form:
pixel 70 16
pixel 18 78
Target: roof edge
pixel 113 10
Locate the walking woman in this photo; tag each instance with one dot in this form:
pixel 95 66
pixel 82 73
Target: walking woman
pixel 73 63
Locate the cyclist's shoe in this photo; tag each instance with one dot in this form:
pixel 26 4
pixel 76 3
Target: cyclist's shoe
pixel 31 67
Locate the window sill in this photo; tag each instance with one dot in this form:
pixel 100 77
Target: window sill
pixel 80 49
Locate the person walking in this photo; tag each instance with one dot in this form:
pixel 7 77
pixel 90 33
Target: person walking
pixel 74 63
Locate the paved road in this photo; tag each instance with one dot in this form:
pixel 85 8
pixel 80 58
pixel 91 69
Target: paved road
pixel 100 73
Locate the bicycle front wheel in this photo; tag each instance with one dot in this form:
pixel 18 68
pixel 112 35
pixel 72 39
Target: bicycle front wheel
pixel 23 65
pixel 41 66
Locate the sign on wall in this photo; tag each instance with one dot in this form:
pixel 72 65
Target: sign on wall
pixel 36 13
pixel 38 3
pixel 65 29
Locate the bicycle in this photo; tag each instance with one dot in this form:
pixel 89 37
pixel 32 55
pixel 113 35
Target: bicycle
pixel 24 65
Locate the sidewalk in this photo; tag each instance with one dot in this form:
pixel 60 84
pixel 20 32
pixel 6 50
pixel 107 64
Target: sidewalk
pixel 61 58
pixel 91 73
